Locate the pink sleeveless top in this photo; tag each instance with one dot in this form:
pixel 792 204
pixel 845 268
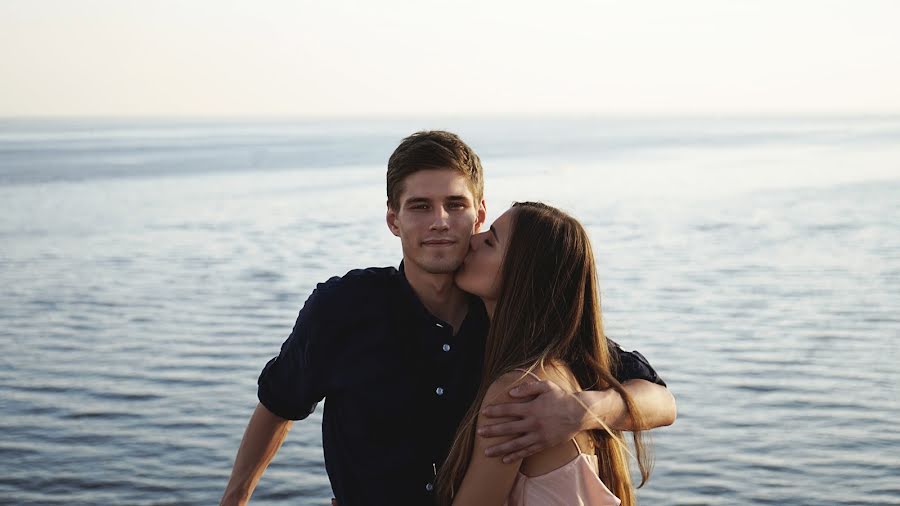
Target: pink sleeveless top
pixel 574 484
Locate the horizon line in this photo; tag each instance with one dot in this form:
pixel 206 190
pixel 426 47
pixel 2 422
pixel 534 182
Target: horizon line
pixel 464 116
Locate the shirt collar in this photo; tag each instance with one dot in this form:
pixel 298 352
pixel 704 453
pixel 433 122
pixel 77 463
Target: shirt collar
pixel 476 307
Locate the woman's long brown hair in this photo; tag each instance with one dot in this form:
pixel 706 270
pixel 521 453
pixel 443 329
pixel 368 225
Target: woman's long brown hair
pixel 548 310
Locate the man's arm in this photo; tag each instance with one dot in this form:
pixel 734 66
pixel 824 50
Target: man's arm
pixel 262 439
pixel 554 416
pixel 655 403
pixel 290 386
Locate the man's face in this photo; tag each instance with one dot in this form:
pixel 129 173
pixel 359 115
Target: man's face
pixel 436 216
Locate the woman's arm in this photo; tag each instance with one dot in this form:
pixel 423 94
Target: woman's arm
pixel 488 480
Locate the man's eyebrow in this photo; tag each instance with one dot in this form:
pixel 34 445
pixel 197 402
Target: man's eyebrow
pixel 494 231
pixel 426 200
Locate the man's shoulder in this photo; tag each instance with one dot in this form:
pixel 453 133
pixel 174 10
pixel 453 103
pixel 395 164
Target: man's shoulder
pixel 358 285
pixel 371 278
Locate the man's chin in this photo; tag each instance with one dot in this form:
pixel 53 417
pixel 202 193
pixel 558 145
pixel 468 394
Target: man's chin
pixel 441 266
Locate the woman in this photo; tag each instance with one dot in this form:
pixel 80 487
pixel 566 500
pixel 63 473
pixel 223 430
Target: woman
pixel 535 272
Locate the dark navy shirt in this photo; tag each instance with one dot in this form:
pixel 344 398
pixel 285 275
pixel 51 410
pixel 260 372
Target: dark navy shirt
pixel 396 382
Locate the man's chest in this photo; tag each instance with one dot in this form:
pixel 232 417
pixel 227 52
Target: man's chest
pixel 393 378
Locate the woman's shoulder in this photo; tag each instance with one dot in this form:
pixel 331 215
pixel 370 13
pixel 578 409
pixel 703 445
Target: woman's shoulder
pixel 558 372
pixel 555 371
pixel 498 391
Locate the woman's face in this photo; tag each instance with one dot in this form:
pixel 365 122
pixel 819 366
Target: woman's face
pixel 480 272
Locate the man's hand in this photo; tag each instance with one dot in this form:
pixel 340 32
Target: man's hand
pixel 549 418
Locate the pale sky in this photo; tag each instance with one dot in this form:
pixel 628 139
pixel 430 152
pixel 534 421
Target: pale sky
pixel 461 57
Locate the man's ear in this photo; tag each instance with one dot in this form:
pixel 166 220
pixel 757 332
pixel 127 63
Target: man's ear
pixel 480 216
pixel 391 219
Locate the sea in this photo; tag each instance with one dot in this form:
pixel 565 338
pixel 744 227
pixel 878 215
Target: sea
pixel 150 267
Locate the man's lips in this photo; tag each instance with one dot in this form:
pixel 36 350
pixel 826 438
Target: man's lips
pixel 438 242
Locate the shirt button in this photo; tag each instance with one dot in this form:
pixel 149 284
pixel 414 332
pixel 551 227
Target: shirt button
pixel 429 487
pixel 439 391
pixel 445 347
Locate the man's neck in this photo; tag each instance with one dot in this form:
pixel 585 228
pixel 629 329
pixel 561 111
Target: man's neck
pixel 439 294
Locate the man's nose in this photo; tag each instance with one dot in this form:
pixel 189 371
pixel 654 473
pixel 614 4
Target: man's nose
pixel 441 219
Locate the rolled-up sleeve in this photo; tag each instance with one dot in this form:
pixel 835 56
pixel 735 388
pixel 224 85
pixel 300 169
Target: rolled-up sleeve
pixel 292 383
pixel 631 365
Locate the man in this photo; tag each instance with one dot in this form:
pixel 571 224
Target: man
pixel 397 354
